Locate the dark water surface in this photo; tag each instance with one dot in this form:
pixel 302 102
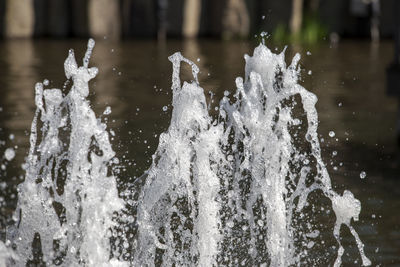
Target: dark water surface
pixel 134 80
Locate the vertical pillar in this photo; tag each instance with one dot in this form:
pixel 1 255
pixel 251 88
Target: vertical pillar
pixel 236 20
pixel 297 16
pixel 19 20
pixel 104 18
pixel 191 18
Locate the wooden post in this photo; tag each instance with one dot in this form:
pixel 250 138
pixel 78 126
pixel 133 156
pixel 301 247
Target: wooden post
pixel 104 19
pixel 191 18
pixel 236 22
pixel 19 20
pixel 297 16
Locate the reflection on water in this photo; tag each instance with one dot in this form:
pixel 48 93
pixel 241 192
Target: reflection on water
pixel 134 80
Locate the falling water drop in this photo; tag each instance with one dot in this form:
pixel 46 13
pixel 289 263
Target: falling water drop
pixel 363 174
pixel 9 154
pixel 107 111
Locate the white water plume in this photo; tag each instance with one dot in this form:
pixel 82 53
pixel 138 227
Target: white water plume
pixel 67 200
pixel 7 255
pixel 239 188
pixel 232 190
pixel 179 212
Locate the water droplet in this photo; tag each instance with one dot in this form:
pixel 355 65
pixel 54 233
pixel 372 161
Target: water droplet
pixel 332 134
pixel 230 224
pixel 24 166
pixel 363 174
pixel 308 53
pixel 9 154
pixel 107 111
pixel 164 108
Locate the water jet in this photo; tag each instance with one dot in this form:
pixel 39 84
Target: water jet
pixel 238 188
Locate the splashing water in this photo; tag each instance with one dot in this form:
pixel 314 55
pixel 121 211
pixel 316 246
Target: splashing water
pixel 67 200
pixel 238 189
pixel 6 255
pixel 231 191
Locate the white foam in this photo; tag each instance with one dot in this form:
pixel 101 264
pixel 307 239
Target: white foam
pixel 68 196
pixel 220 191
pixel 240 180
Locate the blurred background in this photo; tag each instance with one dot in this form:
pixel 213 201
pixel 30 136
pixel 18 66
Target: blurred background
pixel 306 20
pixel 350 58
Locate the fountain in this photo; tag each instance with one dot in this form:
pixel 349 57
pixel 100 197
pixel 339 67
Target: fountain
pixel 238 188
pixel 68 198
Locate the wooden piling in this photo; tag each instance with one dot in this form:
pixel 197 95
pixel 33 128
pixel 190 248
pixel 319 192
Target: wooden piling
pixel 104 19
pixel 19 18
pixel 191 18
